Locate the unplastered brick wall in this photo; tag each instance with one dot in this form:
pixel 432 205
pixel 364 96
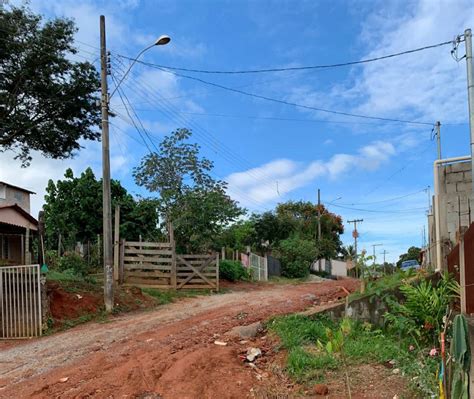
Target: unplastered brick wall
pixel 456 198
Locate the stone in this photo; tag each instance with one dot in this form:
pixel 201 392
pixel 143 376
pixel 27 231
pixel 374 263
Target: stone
pixel 246 332
pixel 321 389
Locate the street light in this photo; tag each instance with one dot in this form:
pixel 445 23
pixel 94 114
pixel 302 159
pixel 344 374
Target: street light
pixel 161 41
pixel 106 191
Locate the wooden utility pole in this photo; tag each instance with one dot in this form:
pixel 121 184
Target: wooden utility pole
pixel 355 234
pixel 106 196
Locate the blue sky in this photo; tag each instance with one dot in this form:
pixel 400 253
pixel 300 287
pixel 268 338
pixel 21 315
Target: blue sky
pixel 271 152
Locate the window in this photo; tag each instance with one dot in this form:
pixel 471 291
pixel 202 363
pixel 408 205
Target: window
pixel 18 196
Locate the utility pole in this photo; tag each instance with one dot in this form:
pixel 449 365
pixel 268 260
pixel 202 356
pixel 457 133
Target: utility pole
pixel 438 138
pixel 106 196
pixel 384 265
pixel 319 227
pixel 470 92
pixel 373 250
pixel 355 234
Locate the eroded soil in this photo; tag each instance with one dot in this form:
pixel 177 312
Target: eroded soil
pixel 168 352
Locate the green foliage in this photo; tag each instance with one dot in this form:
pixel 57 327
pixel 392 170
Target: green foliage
pixel 47 101
pixel 188 196
pixel 52 259
pixel 73 263
pixel 317 344
pixel 238 235
pixel 232 270
pixel 164 297
pixel 296 255
pixel 413 253
pixel 304 366
pixel 425 307
pixel 73 209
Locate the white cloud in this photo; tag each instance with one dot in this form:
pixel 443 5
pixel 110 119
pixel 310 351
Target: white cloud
pixel 282 176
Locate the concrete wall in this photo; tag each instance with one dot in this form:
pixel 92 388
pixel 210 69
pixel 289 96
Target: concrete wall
pixel 456 203
pixel 11 195
pixel 331 266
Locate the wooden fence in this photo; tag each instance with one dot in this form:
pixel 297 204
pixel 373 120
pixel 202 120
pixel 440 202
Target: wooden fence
pixel 156 265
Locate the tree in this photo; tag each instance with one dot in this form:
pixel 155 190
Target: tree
pixel 47 101
pixel 238 235
pixel 73 209
pixel 188 196
pixel 296 255
pixel 413 253
pixel 348 252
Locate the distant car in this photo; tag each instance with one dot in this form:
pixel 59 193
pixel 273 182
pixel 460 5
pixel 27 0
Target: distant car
pixel 410 264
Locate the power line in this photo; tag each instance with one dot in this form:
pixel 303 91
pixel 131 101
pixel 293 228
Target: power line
pixel 279 101
pixel 386 200
pixel 218 147
pixel 410 210
pixel 311 67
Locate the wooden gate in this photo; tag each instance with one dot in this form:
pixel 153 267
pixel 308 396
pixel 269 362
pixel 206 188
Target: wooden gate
pixel 20 302
pixel 156 265
pixel 198 271
pixel 147 264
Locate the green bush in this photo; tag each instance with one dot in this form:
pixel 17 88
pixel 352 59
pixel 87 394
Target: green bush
pixel 296 256
pixel 52 259
pixel 232 270
pixel 73 262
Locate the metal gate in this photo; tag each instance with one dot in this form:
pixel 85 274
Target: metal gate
pixel 20 301
pixel 258 267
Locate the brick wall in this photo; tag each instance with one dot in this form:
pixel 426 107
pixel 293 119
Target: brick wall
pixel 456 205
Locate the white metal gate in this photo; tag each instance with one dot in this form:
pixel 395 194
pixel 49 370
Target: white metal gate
pixel 258 267
pixel 20 301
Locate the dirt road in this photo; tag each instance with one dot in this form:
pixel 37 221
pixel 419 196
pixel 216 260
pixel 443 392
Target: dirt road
pixel 165 353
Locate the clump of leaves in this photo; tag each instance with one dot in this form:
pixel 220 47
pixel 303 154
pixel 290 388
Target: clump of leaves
pixel 425 306
pixel 232 270
pixel 73 263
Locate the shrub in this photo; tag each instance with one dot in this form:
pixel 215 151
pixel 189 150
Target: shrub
pixel 52 259
pixel 296 256
pixel 232 270
pixel 73 262
pixel 423 313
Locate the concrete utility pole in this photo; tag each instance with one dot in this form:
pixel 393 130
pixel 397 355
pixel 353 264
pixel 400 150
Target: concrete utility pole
pixel 384 266
pixel 106 196
pixel 373 250
pixel 355 234
pixel 438 138
pixel 319 226
pixel 470 93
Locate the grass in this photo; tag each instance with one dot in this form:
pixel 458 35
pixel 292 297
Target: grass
pixel 387 282
pixel 286 280
pixel 164 297
pixel 307 362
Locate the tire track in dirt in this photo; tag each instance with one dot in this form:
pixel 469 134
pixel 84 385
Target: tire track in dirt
pixel 168 351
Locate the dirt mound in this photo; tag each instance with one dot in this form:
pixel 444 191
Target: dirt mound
pixel 66 305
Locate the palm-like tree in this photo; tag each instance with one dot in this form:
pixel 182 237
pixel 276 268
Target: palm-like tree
pixel 348 252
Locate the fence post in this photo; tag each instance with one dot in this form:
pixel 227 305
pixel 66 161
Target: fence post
pixel 217 272
pixel 462 274
pixel 223 252
pixel 121 262
pixel 174 282
pixel 265 270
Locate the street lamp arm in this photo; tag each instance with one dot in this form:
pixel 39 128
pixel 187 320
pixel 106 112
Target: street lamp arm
pixel 129 68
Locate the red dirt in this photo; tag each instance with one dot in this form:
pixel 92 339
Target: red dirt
pixel 66 305
pixel 168 352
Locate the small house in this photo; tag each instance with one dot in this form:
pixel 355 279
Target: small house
pixel 17 226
